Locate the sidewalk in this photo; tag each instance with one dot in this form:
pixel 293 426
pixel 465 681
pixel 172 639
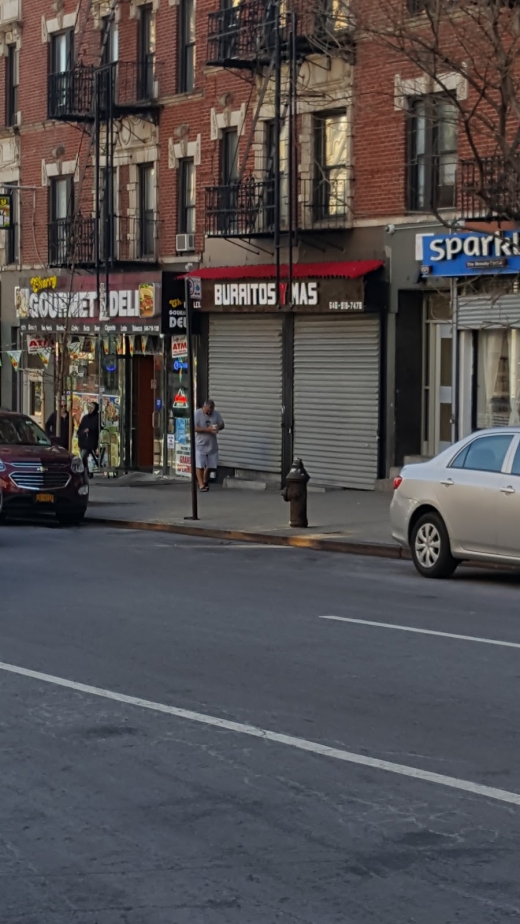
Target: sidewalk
pixel 338 520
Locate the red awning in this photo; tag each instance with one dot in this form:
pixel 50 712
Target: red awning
pixel 344 269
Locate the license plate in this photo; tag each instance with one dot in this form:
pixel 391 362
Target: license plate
pixel 45 498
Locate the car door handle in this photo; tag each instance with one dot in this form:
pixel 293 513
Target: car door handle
pixel 448 482
pixel 508 490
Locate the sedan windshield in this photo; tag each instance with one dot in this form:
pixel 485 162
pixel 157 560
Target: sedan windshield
pixel 21 431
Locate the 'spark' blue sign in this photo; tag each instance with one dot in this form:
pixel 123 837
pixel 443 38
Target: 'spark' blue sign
pixel 470 254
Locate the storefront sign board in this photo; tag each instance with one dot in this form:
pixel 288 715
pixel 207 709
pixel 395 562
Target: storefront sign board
pixel 173 307
pixel 304 295
pixel 35 344
pixel 127 310
pixel 179 347
pixel 468 254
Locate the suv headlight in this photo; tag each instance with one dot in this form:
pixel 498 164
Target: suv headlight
pixel 76 466
pixel 2 466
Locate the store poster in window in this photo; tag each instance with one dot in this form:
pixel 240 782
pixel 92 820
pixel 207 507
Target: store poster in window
pixel 110 436
pixel 182 447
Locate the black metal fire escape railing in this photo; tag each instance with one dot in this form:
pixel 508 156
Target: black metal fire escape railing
pixel 247 208
pixel 489 189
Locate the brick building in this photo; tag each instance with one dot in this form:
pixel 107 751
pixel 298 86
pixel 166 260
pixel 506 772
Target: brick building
pixel 166 115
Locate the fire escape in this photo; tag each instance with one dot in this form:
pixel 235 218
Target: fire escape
pixel 268 41
pixel 98 95
pixel 489 189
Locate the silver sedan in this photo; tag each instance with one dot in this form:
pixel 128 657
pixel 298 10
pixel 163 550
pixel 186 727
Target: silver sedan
pixel 464 505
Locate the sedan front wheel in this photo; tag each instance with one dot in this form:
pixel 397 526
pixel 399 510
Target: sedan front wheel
pixel 430 545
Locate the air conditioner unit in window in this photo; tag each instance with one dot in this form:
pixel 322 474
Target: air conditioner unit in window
pixel 184 242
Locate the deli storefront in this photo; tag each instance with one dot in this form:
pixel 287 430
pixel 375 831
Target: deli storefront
pixel 302 379
pixel 116 356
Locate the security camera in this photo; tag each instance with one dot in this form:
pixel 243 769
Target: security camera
pixel 390 229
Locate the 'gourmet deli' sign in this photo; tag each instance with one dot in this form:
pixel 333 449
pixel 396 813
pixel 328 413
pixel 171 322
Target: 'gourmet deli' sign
pixel 125 310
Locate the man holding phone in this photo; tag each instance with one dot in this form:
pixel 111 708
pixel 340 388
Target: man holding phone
pixel 208 422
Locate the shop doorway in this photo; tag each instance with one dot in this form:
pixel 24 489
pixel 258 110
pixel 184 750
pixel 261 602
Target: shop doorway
pixel 438 392
pixel 33 398
pixel 143 412
pixel 409 360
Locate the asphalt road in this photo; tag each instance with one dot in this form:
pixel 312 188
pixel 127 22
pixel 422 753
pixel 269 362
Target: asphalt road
pixel 167 808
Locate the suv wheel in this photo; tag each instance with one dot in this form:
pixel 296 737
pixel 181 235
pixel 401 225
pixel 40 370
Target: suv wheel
pixel 70 517
pixel 430 546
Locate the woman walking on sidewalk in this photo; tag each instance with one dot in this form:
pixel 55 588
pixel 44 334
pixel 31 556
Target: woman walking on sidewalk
pixel 88 434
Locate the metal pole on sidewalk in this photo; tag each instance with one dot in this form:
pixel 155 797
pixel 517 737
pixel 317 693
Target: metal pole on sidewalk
pixel 455 376
pixel 191 393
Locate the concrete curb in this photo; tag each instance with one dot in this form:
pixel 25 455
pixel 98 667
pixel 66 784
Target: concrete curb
pixel 344 546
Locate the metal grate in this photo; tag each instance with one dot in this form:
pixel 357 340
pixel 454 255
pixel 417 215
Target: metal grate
pixel 244 34
pixel 40 481
pixel 71 94
pixel 126 86
pixel 72 241
pixel 490 188
pixel 247 209
pixel 123 239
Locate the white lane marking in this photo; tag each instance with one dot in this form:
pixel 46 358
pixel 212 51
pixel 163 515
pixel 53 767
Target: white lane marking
pixel 389 625
pixel 301 744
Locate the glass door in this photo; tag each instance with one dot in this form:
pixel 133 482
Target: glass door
pixel 439 388
pixel 33 397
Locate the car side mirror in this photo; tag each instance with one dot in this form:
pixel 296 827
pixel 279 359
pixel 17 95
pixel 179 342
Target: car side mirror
pixel 55 440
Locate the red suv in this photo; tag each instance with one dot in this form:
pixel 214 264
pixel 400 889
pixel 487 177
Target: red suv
pixel 38 476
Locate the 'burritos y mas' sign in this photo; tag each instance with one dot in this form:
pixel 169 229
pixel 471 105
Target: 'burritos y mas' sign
pixel 468 254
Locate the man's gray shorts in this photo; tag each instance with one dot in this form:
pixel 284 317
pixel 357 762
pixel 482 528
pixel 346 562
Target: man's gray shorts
pixel 206 459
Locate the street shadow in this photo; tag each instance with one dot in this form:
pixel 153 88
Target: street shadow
pixel 40 524
pixel 469 574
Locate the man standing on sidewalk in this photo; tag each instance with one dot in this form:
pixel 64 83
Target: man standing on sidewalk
pixel 208 422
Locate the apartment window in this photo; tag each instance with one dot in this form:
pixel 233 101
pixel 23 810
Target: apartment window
pixel 146 210
pixel 228 178
pixel 61 210
pixel 62 198
pixel 270 150
pixel 229 156
pixel 432 146
pixel 146 51
pixel 12 233
pixel 187 197
pixel 62 51
pixel 330 164
pixel 186 46
pixel 109 41
pixel 11 84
